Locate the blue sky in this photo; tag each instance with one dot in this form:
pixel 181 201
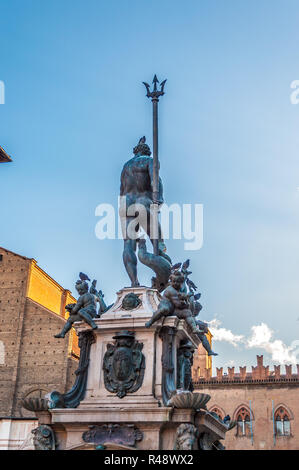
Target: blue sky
pixel 75 107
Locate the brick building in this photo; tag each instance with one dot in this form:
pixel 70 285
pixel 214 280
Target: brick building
pixel 32 361
pixel 263 402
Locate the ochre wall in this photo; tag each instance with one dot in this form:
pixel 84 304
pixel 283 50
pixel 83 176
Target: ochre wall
pixel 202 363
pixel 45 291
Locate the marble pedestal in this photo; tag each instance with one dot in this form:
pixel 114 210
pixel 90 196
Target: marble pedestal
pixel 146 409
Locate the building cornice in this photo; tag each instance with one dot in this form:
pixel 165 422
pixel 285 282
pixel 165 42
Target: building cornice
pixel 269 381
pixel 4 157
pixel 260 375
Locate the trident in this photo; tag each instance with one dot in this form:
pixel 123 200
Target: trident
pixel 155 95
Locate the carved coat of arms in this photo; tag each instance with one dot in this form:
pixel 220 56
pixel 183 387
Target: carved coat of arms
pixel 124 364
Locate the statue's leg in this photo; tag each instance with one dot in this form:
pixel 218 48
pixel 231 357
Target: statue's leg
pixel 157 316
pixel 65 329
pixel 130 261
pixel 149 224
pixel 206 344
pixel 201 325
pixel 191 322
pixel 87 318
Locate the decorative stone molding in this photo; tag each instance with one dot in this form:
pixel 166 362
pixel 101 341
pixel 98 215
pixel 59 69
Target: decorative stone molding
pixel 35 404
pixel 167 334
pixel 124 364
pixel 189 400
pixel 124 435
pixel 133 301
pixel 206 422
pixel 44 438
pixel 186 437
pixel 73 398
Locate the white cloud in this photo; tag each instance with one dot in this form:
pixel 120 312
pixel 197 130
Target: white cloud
pixel 262 338
pixel 222 334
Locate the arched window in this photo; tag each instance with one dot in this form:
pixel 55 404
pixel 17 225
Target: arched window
pixel 282 422
pixel 198 372
pixel 243 422
pixel 217 411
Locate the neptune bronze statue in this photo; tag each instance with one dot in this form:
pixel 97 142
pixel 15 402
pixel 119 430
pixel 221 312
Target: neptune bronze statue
pixel 137 195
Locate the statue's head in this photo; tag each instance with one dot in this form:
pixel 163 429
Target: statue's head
pixel 142 148
pixel 81 287
pixel 124 338
pixel 187 349
pixel 177 279
pixel 186 436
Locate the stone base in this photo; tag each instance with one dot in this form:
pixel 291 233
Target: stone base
pixel 116 320
pixel 144 407
pixel 157 425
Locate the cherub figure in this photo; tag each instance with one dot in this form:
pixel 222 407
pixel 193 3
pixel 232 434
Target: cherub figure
pixel 85 309
pixel 195 306
pixel 176 302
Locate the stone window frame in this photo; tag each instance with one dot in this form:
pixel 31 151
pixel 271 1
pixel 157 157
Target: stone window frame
pixel 218 410
pixel 280 411
pixel 244 412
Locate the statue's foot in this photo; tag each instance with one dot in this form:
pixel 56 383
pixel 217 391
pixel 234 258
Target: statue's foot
pixel 148 324
pixel 212 353
pixel 59 335
pixel 135 284
pixel 94 326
